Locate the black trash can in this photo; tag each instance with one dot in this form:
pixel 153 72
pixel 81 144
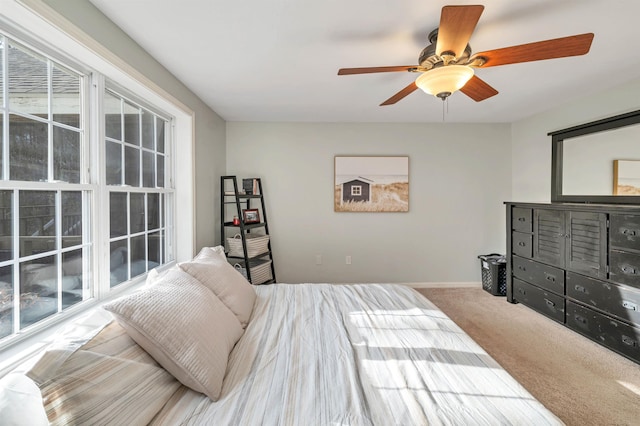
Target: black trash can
pixel 494 273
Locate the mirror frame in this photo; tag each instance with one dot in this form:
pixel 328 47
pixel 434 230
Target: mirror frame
pixel 557 139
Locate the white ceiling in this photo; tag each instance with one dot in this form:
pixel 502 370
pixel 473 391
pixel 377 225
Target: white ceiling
pixel 277 60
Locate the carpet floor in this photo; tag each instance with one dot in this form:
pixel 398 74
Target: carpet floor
pixel 580 381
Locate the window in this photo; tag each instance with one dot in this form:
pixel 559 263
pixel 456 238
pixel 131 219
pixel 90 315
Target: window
pixel 44 248
pixel 135 173
pixel 50 181
pixel 356 190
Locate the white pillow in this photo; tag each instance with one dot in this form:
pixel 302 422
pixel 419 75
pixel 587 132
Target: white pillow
pixel 212 269
pixel 184 327
pixel 21 402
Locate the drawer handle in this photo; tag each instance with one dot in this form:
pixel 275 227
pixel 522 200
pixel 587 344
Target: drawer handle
pixel 522 291
pixel 521 244
pixel 629 341
pixel 580 319
pixel 549 303
pixel 550 278
pixel 629 270
pixel 629 232
pixel 522 268
pixel 521 219
pixel 580 289
pixel 629 305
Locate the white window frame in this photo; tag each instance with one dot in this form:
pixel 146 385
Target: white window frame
pixel 86 186
pixel 53 31
pixel 356 190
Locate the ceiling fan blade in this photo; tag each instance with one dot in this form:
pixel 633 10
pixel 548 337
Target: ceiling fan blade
pixel 456 26
pixel 401 94
pixel 549 49
pixel 478 90
pixel 347 71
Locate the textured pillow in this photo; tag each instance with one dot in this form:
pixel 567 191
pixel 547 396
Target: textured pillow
pixel 184 327
pixel 212 269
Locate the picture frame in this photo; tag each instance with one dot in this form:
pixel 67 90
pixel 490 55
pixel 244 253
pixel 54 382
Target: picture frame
pixel 371 184
pixel 626 177
pixel 251 216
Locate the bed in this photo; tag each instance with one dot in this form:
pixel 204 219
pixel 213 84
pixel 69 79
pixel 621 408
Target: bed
pixel 309 354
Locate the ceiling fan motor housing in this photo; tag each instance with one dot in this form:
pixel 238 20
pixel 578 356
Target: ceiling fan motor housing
pixel 428 58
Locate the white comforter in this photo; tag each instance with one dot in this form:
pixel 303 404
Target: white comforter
pixel 369 354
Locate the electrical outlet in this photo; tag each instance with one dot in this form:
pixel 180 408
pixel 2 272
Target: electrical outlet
pixel 318 259
pixel 348 260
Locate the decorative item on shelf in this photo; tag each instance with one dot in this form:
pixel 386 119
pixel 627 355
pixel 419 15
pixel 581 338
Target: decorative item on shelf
pixel 259 274
pixel 250 186
pixel 256 245
pixel 250 216
pixel 236 220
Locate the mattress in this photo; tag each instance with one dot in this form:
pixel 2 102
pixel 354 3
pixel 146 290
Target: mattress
pixel 367 354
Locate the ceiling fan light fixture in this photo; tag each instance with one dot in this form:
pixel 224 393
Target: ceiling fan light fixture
pixel 445 80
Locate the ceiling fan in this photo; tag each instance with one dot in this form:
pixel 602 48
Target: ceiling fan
pixel 447 64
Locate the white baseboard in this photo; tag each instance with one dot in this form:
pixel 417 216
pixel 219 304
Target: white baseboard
pixel 471 284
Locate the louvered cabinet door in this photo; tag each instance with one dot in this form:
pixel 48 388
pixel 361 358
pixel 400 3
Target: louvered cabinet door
pixel 586 234
pixel 549 236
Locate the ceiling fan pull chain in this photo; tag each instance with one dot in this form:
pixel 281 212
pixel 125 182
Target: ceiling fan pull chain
pixel 445 107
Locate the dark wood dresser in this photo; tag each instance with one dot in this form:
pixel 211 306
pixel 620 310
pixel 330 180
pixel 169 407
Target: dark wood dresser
pixel 579 264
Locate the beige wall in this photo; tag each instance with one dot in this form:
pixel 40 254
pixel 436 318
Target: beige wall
pixel 459 177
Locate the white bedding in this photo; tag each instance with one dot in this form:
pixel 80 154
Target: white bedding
pixel 369 354
pixel 312 354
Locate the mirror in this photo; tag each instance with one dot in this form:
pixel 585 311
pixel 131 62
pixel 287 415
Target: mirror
pixel 597 162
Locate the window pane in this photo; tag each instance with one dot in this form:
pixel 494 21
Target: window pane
pixel 153 211
pixel 118 214
pixel 112 116
pixel 148 169
pixel 6 225
pixel 160 124
pixel 114 163
pixel 38 290
pixel 136 204
pixel 160 174
pixel 6 301
pixel 154 249
pixel 37 222
pixel 66 155
pixel 132 166
pixel 65 102
pixel 72 279
pixel 147 130
pixel 163 212
pixel 119 262
pixel 28 145
pixel 138 256
pixel 28 82
pixel 71 218
pixel 131 124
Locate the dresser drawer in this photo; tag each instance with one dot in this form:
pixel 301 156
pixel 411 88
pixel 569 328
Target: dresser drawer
pixel 624 231
pixel 624 268
pixel 607 331
pixel 616 300
pixel 521 219
pixel 544 276
pixel 547 303
pixel 521 244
